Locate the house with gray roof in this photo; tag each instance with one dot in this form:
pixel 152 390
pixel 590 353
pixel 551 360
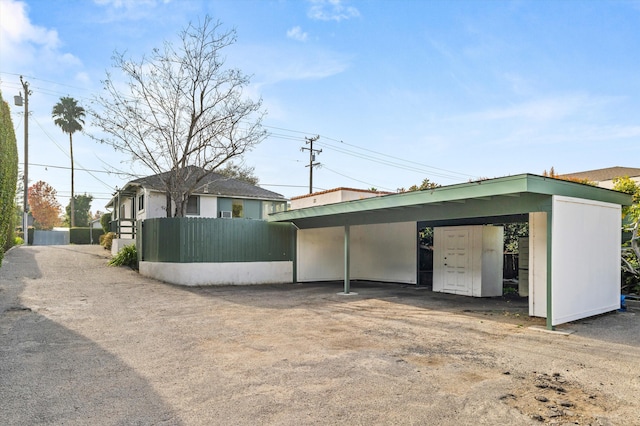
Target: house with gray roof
pixel 214 196
pixel 604 177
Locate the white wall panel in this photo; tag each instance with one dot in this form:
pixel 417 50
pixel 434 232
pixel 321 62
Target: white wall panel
pixel 320 254
pixel 381 252
pixel 538 264
pixel 385 252
pixel 586 258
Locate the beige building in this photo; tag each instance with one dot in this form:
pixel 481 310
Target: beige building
pixel 332 196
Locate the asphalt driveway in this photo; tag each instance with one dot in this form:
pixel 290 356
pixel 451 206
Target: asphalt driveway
pixel 84 343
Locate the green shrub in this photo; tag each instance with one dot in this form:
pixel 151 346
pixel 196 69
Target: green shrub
pixel 8 177
pixel 105 222
pixel 127 256
pixel 107 239
pixel 18 241
pixel 84 235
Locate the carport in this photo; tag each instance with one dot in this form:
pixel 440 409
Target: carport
pixel 574 237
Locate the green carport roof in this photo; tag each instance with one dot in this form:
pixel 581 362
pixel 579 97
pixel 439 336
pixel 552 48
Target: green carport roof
pixel 487 201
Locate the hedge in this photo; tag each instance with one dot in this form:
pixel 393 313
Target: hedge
pixel 83 235
pixel 8 177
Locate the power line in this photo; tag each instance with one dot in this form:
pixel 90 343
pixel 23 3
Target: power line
pixel 357 180
pixel 378 157
pixel 69 168
pixel 65 153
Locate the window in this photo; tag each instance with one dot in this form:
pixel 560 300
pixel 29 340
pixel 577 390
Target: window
pixel 237 207
pixel 122 211
pixel 141 202
pixel 193 205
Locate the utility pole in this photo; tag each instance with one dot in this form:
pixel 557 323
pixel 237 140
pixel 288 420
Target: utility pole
pixel 18 102
pixel 312 159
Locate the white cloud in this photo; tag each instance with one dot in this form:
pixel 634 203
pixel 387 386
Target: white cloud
pixel 128 10
pixel 296 33
pixel 129 4
pixel 273 64
pixel 331 10
pixel 23 44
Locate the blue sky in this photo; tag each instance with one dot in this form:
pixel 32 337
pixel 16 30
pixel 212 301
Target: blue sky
pixel 397 90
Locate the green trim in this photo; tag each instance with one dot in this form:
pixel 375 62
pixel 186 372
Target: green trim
pixel 294 252
pixel 347 259
pixel 549 271
pixel 506 196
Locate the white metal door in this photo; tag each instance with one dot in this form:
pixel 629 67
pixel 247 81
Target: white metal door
pixel 456 262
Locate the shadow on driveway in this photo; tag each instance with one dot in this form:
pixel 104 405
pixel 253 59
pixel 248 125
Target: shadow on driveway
pixel 52 375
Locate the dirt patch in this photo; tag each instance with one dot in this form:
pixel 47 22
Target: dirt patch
pixel 554 399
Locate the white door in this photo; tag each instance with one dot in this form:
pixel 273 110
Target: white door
pixel 457 278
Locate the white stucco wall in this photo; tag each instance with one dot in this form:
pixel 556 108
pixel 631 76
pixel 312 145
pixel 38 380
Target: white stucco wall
pixel 155 205
pixel 331 197
pixel 609 183
pixel 233 273
pixel 586 258
pixel 118 243
pixel 382 252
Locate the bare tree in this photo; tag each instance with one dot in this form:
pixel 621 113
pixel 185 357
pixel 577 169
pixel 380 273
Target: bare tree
pixel 181 113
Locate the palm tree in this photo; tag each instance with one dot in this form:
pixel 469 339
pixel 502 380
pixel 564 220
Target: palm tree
pixel 69 116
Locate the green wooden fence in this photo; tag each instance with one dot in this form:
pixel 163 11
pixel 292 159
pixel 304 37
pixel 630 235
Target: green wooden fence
pixel 186 240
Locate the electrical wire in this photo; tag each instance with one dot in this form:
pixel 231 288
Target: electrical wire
pixel 357 180
pixel 367 154
pixel 68 156
pixel 378 157
pixel 69 168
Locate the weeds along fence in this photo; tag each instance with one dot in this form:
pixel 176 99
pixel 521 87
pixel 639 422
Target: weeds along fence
pixel 193 240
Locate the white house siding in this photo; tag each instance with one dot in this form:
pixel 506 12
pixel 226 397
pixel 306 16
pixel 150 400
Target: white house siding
pixel 155 205
pixel 381 252
pixel 235 273
pixel 586 258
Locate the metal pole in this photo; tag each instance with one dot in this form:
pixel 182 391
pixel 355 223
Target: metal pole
pixel 347 260
pixel 25 214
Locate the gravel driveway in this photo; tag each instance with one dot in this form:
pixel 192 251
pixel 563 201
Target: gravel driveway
pixel 82 343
